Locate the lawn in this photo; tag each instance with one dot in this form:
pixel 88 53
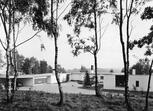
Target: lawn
pixel 41 101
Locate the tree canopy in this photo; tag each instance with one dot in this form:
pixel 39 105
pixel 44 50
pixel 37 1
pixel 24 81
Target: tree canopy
pixel 141 67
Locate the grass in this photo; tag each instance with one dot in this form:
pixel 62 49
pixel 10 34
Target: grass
pixel 40 101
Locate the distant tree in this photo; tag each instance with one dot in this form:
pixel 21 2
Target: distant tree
pixel 20 60
pixel 111 70
pixel 26 66
pixel 43 66
pixel 34 66
pixel 83 69
pixel 49 69
pixel 61 69
pixel 86 79
pixel 141 67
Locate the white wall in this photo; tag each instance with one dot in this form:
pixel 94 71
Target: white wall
pixel 143 82
pixel 63 77
pixel 53 78
pixel 77 76
pixel 109 82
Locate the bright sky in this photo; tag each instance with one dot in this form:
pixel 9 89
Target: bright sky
pixel 110 55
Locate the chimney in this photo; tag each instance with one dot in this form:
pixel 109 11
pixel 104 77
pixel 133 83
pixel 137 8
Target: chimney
pixel 92 70
pixel 133 71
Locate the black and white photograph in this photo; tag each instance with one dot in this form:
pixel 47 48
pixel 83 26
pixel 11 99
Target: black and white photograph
pixel 76 55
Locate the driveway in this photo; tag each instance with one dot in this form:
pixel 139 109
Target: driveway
pixel 68 87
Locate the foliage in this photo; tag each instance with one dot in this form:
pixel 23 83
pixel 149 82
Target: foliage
pixel 43 67
pixel 49 69
pixel 111 70
pixel 14 12
pixel 83 69
pixel 20 61
pixel 26 66
pixel 82 15
pixel 61 69
pixel 32 65
pixel 141 67
pixel 122 15
pixel 146 40
pixel 87 79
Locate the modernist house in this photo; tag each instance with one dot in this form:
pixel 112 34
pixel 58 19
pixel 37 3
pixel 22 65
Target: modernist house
pixel 136 82
pixel 36 79
pixel 115 81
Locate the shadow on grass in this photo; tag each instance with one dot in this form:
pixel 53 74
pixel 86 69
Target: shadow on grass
pixel 87 88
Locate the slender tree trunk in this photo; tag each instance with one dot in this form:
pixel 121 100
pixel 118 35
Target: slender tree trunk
pixel 125 58
pixel 56 73
pixel 148 88
pixel 14 57
pixel 8 68
pixel 96 77
pixel 55 34
pixel 127 54
pixel 96 50
pixel 8 81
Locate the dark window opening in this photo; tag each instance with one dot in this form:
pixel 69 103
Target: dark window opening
pixel 101 77
pixel 137 83
pixel 119 80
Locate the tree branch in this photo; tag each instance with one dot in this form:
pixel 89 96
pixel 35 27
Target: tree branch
pixel 63 10
pixel 27 39
pixel 2 44
pixel 101 35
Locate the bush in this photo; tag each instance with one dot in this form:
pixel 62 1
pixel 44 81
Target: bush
pixel 87 80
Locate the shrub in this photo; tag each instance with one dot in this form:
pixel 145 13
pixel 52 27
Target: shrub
pixel 87 79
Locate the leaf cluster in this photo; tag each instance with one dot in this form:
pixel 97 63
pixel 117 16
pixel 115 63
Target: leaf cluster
pixel 31 11
pixel 81 44
pixel 146 40
pixel 81 13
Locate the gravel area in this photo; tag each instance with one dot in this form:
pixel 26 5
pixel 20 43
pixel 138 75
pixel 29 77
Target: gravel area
pixel 68 87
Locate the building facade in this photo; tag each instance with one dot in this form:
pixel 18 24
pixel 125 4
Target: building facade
pixel 36 79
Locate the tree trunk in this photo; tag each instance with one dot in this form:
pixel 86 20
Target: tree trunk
pixel 150 73
pixel 125 58
pixel 55 34
pixel 8 68
pixel 8 81
pixel 56 73
pixel 96 77
pixel 14 58
pixel 96 49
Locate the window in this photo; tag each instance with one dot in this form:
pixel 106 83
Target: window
pixel 119 80
pixel 137 83
pixel 101 77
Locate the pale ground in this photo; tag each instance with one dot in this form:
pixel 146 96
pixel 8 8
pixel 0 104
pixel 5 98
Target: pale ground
pixel 69 87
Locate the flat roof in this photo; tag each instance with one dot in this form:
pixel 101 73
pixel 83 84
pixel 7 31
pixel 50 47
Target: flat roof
pixel 30 75
pixel 27 76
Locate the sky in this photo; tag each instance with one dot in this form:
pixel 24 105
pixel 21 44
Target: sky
pixel 110 55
